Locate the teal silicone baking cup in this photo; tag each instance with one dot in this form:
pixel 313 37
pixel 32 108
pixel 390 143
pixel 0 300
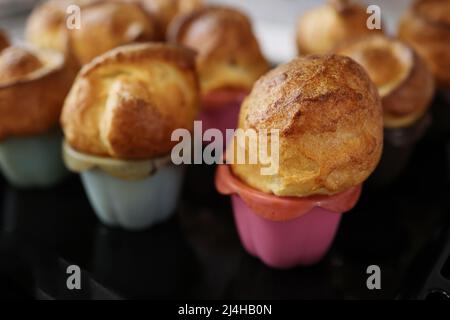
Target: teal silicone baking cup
pixel 33 161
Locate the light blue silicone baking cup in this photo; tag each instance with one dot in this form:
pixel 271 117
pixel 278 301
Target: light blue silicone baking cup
pixel 134 204
pixel 33 162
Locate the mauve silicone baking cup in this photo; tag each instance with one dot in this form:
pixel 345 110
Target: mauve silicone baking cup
pixel 220 110
pixel 285 232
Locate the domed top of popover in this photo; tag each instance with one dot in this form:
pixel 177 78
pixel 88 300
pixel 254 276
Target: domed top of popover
pixel 329 116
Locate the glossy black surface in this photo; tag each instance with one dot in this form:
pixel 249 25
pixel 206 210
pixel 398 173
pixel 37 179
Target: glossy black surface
pixel 197 254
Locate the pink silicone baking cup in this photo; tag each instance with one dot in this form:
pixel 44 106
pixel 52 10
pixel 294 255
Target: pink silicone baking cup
pixel 285 232
pixel 220 110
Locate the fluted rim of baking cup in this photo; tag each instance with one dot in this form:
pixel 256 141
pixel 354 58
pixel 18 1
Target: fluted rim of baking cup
pixel 123 169
pixel 275 208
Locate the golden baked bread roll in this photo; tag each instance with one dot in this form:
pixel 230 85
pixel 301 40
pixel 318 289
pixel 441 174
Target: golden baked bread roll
pixel 105 25
pixel 426 27
pixel 126 103
pixel 4 42
pixel 321 29
pixel 404 82
pixel 229 56
pixel 33 85
pixel 329 116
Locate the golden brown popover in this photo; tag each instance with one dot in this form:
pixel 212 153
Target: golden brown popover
pixel 104 26
pixel 107 25
pixel 33 85
pixel 47 25
pixel 229 56
pixel 405 84
pixel 4 41
pixel 426 27
pixel 126 103
pixel 329 116
pixel 321 29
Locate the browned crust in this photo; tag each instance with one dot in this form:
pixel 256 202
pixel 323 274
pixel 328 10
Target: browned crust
pixel 4 41
pixel 32 104
pixel 321 29
pixel 393 64
pixel 229 55
pixel 427 29
pixel 329 115
pixel 126 103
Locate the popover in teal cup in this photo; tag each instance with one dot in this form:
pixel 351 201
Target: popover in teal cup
pixel 33 86
pixel 118 122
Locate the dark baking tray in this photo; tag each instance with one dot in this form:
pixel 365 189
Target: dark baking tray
pixel 403 228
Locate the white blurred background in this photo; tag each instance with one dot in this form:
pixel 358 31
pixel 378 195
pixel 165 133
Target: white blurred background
pixel 274 20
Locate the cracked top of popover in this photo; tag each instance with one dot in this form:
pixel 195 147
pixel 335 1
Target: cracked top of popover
pixel 329 116
pixel 126 103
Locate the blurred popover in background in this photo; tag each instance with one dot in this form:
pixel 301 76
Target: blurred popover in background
pixel 105 25
pixel 165 11
pixel 228 54
pixel 33 86
pixel 4 41
pixel 404 82
pixel 320 29
pixel 426 27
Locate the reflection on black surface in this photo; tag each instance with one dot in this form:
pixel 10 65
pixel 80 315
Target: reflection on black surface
pixel 154 264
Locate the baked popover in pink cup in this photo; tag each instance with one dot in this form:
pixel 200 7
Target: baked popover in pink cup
pixel 229 60
pixel 328 118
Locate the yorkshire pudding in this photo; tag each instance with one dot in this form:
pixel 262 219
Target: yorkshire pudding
pixel 329 116
pixel 33 85
pixel 228 54
pixel 126 103
pixel 321 29
pixel 404 82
